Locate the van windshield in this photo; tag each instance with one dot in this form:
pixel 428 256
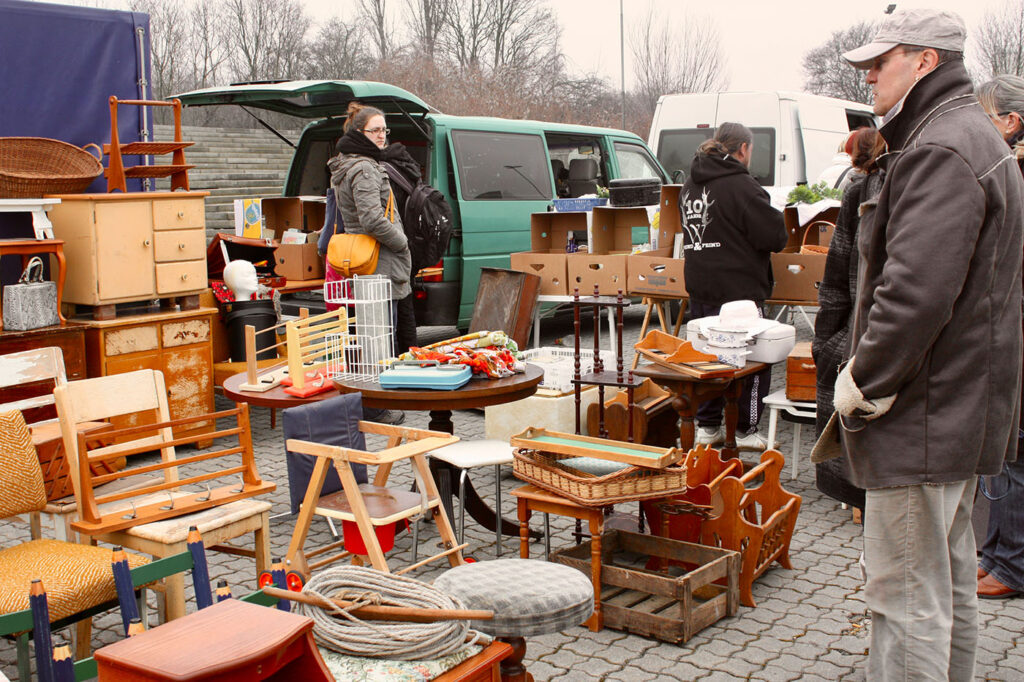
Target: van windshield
pixel 677 147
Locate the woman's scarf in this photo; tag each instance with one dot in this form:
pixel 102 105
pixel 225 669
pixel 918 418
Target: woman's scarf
pixel 356 142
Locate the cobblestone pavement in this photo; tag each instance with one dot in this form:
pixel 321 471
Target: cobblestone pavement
pixel 809 623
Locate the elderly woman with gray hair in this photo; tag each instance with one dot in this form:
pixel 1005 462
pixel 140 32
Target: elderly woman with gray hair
pixel 1001 568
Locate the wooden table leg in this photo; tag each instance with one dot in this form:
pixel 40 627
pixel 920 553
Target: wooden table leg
pixel 732 397
pixel 523 511
pixel 596 523
pixel 61 274
pixel 174 596
pixel 684 406
pixel 512 668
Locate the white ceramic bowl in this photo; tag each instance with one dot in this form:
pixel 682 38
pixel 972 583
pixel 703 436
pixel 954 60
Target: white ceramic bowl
pixel 727 354
pixel 727 337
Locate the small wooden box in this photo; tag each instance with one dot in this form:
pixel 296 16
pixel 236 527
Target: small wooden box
pixel 801 374
pixel 672 606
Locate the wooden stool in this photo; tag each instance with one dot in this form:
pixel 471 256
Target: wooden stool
pixel 231 640
pixel 527 598
pixel 30 247
pixel 530 498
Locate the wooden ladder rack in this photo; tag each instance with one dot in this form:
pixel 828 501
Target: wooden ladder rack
pixel 116 172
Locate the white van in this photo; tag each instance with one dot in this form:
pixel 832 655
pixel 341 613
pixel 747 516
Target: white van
pixel 795 134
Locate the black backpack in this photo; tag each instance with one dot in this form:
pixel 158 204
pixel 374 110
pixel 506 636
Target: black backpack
pixel 426 217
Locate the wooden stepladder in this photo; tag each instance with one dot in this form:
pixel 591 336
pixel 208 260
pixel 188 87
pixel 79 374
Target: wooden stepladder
pixel 371 505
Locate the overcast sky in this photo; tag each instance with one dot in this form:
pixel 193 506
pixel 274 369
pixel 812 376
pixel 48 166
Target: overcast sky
pixel 763 40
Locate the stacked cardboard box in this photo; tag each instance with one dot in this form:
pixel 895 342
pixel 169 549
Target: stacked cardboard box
pixel 797 275
pixel 658 272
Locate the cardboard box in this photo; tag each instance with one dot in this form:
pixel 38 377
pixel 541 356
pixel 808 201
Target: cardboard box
pixel 797 276
pixel 549 266
pixel 801 374
pixel 248 218
pixel 651 274
pixel 549 232
pixel 669 222
pixel 605 271
pixel 795 229
pixel 300 213
pixel 299 261
pixel 612 229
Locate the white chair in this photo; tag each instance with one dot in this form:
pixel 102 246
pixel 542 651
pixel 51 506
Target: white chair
pixel 792 411
pixel 472 454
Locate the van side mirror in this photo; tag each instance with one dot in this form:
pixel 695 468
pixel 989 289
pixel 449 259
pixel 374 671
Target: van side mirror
pixel 678 176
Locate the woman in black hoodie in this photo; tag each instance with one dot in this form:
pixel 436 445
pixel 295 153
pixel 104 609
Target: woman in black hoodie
pixel 730 229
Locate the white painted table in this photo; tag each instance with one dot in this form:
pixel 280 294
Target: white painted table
pixel 800 411
pixel 37 207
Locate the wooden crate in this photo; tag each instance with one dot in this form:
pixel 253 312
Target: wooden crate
pixel 671 605
pixel 801 374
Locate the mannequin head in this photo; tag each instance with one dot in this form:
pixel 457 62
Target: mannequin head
pixel 240 277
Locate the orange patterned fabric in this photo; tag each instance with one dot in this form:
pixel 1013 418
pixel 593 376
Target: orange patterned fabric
pixel 76 577
pixel 21 480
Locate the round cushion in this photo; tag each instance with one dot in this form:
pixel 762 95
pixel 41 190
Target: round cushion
pixel 528 596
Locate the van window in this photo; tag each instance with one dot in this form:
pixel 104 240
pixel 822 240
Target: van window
pixel 635 162
pixel 677 147
pixel 501 165
pixel 577 164
pixel 859 119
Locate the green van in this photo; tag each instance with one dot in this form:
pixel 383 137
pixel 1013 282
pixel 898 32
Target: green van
pixel 494 172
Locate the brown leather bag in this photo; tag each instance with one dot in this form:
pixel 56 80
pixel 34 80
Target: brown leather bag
pixel 357 254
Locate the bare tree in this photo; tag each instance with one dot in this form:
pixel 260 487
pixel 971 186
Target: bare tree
pixel 266 38
pixel 827 73
pixel 999 41
pixel 426 22
pixel 464 38
pixel 375 16
pixel 339 50
pixel 673 57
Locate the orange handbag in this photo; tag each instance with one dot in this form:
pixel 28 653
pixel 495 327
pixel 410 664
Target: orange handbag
pixel 357 254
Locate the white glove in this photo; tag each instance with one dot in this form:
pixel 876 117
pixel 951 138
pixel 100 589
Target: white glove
pixel 850 402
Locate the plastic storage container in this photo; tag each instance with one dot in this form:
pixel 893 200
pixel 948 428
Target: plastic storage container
pixel 557 364
pixel 635 191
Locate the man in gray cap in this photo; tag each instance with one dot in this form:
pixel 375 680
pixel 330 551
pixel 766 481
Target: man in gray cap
pixel 929 399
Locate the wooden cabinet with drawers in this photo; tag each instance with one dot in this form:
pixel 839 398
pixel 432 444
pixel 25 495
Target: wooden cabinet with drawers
pixel 71 341
pixel 177 343
pixel 132 247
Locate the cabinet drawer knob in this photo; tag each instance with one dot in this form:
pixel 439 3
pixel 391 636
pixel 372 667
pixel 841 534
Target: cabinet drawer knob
pixel 181 214
pixel 181 246
pixel 145 242
pixel 184 277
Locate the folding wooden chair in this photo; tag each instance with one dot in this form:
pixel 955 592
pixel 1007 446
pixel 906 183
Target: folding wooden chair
pixel 371 505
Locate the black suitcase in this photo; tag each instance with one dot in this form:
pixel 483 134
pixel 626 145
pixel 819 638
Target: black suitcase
pixel 634 192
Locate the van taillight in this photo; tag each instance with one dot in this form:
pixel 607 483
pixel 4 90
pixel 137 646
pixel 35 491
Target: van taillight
pixel 703 125
pixel 419 294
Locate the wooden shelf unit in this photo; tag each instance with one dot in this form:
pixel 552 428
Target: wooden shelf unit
pixel 116 172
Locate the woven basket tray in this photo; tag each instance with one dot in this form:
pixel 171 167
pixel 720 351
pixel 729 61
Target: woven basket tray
pixel 632 483
pixel 33 166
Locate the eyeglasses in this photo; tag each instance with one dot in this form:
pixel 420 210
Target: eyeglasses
pixel 377 131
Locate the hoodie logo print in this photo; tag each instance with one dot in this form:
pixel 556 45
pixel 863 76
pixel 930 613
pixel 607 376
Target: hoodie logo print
pixel 696 220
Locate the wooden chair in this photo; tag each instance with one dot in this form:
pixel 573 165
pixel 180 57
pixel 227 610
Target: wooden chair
pixel 154 518
pixel 32 375
pixel 370 505
pixel 55 663
pixel 77 576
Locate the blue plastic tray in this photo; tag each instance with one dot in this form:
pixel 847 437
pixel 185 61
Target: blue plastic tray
pixel 439 377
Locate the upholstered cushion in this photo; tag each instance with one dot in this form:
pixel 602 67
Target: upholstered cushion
pixel 376 670
pixel 21 480
pixel 76 577
pixel 593 465
pixel 528 597
pixel 467 454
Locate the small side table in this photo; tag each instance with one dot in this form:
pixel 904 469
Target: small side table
pixel 29 247
pixel 529 499
pixel 41 224
pixel 230 641
pixel 794 411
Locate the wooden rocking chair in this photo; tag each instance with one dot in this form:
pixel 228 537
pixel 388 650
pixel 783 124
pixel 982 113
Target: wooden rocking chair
pixel 370 505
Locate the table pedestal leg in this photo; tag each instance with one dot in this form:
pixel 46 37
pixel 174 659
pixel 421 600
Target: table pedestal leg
pixel 682 403
pixel 732 396
pixel 512 668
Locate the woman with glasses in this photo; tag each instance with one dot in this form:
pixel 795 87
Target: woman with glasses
pixel 1001 568
pixel 367 206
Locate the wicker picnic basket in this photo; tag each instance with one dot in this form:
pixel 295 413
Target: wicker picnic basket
pixel 33 166
pixel 544 470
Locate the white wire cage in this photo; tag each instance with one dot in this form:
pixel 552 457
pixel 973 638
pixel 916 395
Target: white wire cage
pixel 368 298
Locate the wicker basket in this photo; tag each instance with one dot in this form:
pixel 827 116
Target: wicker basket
pixel 632 483
pixel 33 166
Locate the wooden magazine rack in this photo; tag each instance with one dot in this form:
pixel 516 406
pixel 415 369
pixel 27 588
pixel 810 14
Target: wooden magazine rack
pixel 117 173
pixel 155 501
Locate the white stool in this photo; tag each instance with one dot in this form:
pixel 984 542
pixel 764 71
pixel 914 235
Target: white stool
pixel 797 412
pixel 470 454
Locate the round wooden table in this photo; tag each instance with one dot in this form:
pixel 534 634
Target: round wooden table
pixel 475 394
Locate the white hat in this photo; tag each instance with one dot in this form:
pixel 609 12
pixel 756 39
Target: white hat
pixel 937 29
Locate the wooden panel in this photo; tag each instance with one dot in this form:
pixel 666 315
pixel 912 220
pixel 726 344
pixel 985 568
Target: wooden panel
pixel 175 278
pixel 73 222
pixel 124 250
pixel 130 363
pixel 178 245
pixel 178 213
pixel 188 372
pixel 130 340
pixel 185 332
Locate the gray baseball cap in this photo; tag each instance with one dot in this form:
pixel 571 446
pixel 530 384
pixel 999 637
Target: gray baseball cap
pixel 921 27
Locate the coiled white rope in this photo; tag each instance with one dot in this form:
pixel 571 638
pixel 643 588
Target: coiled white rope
pixel 340 631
